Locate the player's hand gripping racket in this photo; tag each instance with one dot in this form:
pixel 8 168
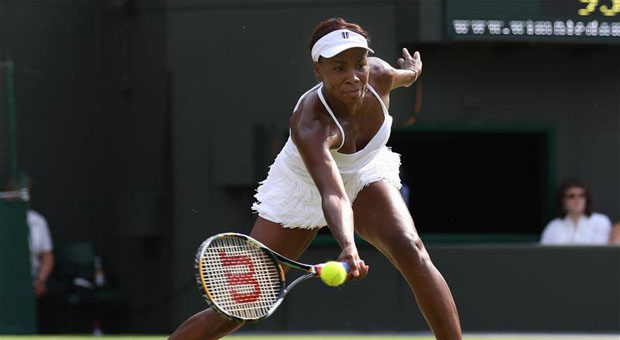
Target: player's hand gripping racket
pixel 242 279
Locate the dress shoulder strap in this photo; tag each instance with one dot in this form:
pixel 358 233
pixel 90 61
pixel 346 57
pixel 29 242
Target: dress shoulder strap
pixel 304 95
pixel 385 110
pixel 331 113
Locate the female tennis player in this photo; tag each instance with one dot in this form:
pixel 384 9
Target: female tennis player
pixel 336 170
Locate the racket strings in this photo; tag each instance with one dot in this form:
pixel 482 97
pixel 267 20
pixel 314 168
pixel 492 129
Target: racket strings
pixel 242 280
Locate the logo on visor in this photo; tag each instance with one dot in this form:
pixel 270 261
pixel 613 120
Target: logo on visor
pixel 345 35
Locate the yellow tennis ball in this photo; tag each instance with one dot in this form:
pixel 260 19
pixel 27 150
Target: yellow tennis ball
pixel 333 273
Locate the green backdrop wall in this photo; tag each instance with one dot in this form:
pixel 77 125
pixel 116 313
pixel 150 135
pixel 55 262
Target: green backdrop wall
pixel 17 308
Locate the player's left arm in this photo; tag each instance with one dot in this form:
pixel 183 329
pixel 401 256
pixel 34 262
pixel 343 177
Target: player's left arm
pixel 387 78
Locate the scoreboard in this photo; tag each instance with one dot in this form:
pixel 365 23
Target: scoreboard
pixel 570 21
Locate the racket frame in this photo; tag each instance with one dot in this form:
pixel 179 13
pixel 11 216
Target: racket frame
pixel 278 259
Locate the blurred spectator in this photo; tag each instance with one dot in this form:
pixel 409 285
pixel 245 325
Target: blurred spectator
pixel 41 260
pixel 615 234
pixel 576 223
pixel 41 252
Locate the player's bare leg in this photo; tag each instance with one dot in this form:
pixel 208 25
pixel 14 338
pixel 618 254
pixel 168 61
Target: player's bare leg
pixel 292 243
pixel 205 325
pixel 382 218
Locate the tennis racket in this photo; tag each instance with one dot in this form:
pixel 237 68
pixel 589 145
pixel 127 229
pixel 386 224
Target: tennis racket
pixel 242 279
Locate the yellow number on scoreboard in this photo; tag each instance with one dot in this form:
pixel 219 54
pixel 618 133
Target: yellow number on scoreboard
pixel 612 10
pixel 590 7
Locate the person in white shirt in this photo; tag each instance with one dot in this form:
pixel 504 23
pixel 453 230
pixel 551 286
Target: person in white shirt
pixel 49 293
pixel 39 239
pixel 41 251
pixel 576 223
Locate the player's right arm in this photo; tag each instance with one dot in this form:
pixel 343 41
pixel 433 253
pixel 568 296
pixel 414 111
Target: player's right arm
pixel 314 137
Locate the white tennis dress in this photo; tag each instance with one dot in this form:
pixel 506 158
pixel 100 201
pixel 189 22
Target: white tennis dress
pixel 289 196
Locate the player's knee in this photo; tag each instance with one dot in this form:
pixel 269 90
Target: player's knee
pixel 409 252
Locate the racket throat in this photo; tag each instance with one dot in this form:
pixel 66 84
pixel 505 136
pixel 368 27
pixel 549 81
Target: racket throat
pixel 298 281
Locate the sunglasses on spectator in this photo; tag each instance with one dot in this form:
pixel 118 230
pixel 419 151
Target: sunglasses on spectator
pixel 573 196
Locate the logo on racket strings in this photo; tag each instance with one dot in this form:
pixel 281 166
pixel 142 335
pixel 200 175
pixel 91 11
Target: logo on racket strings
pixel 241 279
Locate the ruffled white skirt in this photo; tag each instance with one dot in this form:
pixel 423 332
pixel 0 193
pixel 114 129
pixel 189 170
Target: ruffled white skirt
pixel 289 196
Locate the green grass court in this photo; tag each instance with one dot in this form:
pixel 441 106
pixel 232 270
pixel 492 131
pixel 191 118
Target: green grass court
pixel 324 337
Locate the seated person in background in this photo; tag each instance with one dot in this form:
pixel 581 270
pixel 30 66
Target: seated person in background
pixel 49 292
pixel 615 234
pixel 39 240
pixel 576 222
pixel 41 261
pixel 41 252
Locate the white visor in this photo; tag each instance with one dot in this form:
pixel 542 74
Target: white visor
pixel 337 41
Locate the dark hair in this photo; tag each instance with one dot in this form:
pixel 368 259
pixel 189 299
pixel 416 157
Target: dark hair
pixel 569 184
pixel 334 24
